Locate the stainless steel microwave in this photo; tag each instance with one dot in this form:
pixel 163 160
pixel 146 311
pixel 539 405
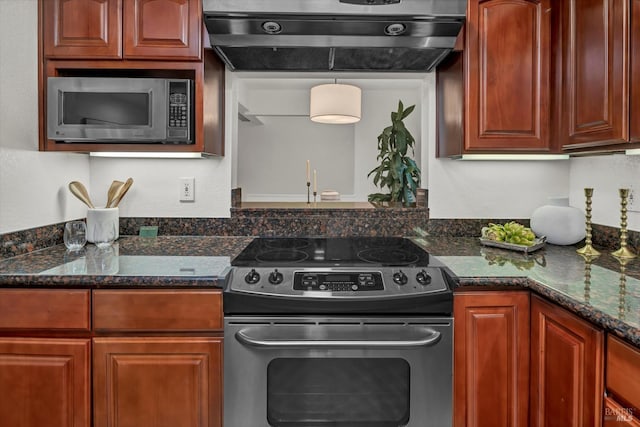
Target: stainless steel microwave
pixel 120 110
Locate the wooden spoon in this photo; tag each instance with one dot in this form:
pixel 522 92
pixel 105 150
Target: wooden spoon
pixel 115 186
pixel 79 190
pixel 121 192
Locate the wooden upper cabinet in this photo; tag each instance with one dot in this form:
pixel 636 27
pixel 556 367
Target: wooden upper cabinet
pixel 169 29
pixel 494 97
pixel 507 71
pixel 566 368
pixel 491 360
pixel 129 29
pixel 82 28
pixel 595 80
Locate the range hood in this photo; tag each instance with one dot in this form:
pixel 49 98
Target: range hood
pixel 333 35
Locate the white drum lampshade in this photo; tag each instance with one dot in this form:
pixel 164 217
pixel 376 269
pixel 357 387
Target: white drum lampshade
pixel 335 103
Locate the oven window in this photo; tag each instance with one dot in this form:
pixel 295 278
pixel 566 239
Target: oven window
pixel 106 108
pixel 338 392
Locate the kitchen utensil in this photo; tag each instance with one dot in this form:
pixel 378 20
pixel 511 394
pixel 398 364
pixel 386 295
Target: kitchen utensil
pixel 115 185
pixel 75 235
pixel 79 190
pixel 121 192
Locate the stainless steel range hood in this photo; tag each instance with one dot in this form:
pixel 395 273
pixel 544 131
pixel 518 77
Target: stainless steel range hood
pixel 333 35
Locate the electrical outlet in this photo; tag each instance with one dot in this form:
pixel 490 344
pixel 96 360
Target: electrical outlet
pixel 633 202
pixel 187 189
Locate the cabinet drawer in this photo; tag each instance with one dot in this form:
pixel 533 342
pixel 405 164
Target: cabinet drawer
pixel 44 309
pixel 623 371
pixel 157 310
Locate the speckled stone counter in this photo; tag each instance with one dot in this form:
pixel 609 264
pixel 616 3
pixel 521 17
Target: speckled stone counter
pixel 603 291
pixel 130 262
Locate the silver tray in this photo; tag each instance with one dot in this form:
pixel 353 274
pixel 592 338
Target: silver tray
pixel 539 243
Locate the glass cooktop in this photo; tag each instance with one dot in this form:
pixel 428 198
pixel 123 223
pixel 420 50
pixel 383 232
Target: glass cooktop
pixel 339 251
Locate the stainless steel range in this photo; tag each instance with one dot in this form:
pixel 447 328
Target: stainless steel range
pixel 338 332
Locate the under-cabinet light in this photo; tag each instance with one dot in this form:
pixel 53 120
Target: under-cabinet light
pixel 633 152
pixel 147 155
pixel 512 157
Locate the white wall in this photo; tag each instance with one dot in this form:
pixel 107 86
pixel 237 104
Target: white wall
pixel 33 185
pixel 272 158
pixel 606 174
pixel 487 189
pixel 280 101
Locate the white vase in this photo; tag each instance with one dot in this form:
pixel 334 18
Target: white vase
pixel 561 223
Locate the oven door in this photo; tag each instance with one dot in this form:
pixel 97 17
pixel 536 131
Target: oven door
pixel 338 372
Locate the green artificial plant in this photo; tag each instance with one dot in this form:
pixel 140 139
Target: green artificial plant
pixel 397 171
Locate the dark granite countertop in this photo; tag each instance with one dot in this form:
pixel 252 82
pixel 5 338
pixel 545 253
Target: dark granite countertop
pixel 132 261
pixel 602 291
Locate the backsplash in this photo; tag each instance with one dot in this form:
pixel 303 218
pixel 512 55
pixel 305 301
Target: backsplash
pixel 21 242
pixel 295 223
pixel 247 222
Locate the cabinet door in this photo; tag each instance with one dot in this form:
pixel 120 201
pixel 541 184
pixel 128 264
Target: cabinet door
pixel 595 51
pixel 81 28
pixel 507 72
pixel 491 359
pixel 162 29
pixel 147 382
pixel 566 368
pixel 44 382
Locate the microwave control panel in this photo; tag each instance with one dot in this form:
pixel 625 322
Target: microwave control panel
pixel 179 120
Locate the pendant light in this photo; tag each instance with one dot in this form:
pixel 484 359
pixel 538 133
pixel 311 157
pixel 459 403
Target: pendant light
pixel 335 103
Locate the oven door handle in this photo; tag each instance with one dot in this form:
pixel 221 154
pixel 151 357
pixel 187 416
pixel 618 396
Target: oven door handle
pixel 262 337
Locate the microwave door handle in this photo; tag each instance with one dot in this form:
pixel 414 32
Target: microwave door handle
pixel 262 340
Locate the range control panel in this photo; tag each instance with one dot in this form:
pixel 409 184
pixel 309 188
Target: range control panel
pixel 336 282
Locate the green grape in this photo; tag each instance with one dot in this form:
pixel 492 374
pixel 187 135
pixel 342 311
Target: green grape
pixel 511 232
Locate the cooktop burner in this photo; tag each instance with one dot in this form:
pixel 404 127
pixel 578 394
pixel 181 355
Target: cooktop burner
pixel 290 243
pixel 281 255
pixel 388 256
pixel 344 252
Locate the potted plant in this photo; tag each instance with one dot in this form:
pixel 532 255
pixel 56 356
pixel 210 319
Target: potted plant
pixel 397 171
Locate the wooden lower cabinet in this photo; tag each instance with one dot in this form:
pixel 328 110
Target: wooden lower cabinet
pixel 491 358
pixel 566 368
pixel 152 381
pixel 45 382
pixel 622 382
pixel 618 415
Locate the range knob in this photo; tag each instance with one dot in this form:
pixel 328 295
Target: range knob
pixel 252 277
pixel 423 278
pixel 400 278
pixel 275 277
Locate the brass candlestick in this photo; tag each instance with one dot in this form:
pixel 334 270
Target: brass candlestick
pixel 308 192
pixel 587 249
pixel 587 283
pixel 315 193
pixel 623 252
pixel 588 259
pixel 623 288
